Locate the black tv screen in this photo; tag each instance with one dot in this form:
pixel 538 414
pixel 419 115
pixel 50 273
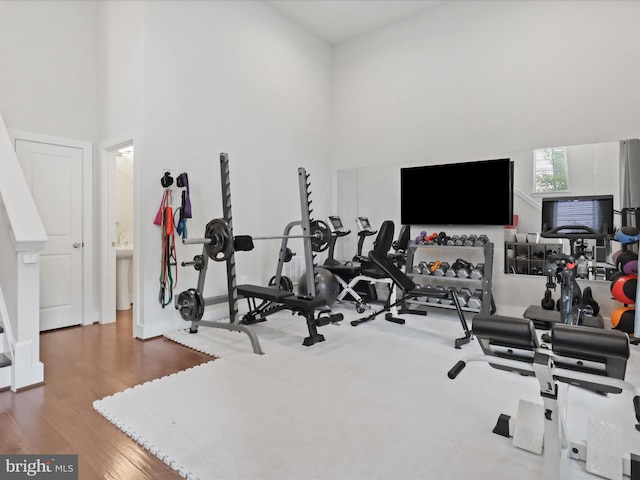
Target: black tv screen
pixel 592 211
pixel 468 193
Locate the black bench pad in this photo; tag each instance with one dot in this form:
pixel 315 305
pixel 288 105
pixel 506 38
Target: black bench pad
pixel 284 297
pixel 304 303
pixel 266 293
pixel 344 270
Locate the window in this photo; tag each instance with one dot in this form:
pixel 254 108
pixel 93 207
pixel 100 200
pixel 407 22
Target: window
pixel 550 173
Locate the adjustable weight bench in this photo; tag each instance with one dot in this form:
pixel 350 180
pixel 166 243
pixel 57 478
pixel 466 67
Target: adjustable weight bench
pixel 587 357
pixel 275 300
pixel 411 290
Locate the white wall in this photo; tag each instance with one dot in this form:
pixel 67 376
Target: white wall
pixel 121 43
pixel 234 77
pixel 476 80
pixel 49 67
pixel 471 80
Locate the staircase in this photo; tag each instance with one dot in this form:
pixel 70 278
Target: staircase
pixel 5 361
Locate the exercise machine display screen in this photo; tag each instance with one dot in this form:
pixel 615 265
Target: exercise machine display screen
pixel 363 224
pixel 335 224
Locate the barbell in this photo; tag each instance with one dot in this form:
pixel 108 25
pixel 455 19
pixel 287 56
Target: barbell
pixel 219 243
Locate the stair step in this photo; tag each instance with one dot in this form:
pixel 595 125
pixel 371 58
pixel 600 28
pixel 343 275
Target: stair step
pixel 5 361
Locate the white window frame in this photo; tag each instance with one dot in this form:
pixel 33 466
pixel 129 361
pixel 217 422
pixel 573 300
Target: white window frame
pixel 538 158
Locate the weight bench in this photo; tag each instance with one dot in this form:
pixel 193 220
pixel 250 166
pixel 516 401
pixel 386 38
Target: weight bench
pixel 275 300
pixel 411 290
pixel 586 357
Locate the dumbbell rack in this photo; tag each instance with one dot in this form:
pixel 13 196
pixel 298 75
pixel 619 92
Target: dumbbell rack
pixel 447 253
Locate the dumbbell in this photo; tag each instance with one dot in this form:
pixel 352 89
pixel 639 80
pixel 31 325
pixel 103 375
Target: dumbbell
pixel 464 294
pixel 460 268
pixel 460 240
pixel 477 272
pixel 431 267
pixel 436 289
pixel 470 241
pixel 481 241
pixel 429 239
pixel 441 269
pixel 424 268
pixel 475 300
pixel 451 241
pixel 446 300
pixel 440 239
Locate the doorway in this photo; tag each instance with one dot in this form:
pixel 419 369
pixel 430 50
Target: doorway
pixel 117 230
pixel 58 172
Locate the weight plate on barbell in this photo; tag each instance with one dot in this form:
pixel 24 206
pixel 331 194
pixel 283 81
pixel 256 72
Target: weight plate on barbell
pixel 321 236
pixel 220 247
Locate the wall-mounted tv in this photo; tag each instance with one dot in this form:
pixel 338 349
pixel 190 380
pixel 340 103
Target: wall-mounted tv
pixel 468 193
pixel 589 216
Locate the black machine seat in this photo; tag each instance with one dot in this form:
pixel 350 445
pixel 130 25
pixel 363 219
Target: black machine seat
pixel 591 350
pixel 304 303
pixel 348 270
pixel 267 293
pixel 506 337
pixel 401 245
pixel 382 243
pixel 401 280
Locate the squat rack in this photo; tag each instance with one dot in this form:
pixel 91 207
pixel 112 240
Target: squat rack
pixel 219 245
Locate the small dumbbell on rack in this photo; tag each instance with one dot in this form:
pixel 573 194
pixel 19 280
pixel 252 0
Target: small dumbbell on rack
pixel 460 240
pixel 436 299
pixel 477 272
pixel 441 269
pixel 475 301
pixel 460 268
pixel 464 294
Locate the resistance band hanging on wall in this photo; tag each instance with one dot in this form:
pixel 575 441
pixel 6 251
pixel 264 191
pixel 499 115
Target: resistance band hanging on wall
pixel 164 218
pixel 185 206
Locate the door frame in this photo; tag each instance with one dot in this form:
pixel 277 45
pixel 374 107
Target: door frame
pixel 89 316
pixel 108 151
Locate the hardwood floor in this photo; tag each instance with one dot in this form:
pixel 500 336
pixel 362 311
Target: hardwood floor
pixel 83 364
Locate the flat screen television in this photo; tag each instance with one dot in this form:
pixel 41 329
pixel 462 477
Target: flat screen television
pixel 589 216
pixel 468 193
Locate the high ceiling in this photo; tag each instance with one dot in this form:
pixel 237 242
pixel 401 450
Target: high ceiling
pixel 336 21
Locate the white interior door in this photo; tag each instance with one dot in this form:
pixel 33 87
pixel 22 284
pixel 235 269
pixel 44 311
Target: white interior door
pixel 54 174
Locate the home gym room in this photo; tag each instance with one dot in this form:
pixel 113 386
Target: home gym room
pixel 302 111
